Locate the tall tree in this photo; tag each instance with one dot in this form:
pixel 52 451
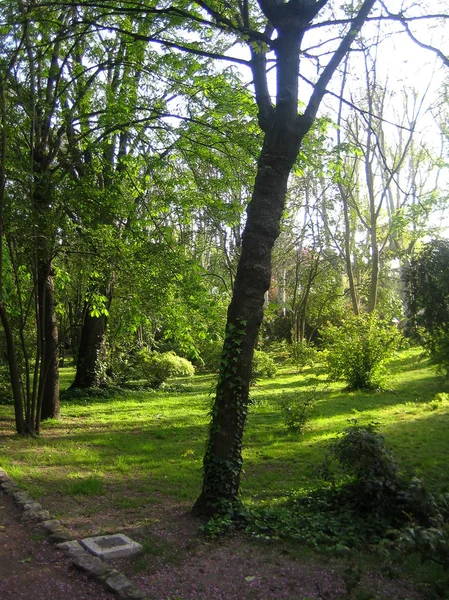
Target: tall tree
pixel 284 130
pixel 33 77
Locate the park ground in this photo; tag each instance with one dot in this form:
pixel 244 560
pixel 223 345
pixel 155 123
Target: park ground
pixel 132 463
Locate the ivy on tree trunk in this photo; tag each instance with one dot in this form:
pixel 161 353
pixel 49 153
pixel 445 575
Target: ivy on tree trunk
pixel 284 130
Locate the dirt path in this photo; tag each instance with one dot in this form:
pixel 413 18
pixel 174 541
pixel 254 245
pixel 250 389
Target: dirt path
pixel 32 569
pixel 178 564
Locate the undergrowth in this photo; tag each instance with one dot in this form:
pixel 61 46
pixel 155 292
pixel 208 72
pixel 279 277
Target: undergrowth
pixel 374 506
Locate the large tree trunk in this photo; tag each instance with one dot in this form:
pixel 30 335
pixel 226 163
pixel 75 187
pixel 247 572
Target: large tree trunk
pixel 90 351
pixel 223 458
pixel 49 374
pixel 284 131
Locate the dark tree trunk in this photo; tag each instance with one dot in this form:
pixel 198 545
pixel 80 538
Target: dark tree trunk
pixel 90 351
pixel 223 458
pixel 49 375
pixel 92 344
pixel 14 372
pixel 284 131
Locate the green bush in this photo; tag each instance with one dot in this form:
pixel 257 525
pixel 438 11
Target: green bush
pixel 358 349
pixel 263 366
pixel 427 287
pixel 365 457
pixel 210 355
pixel 157 368
pixel 297 409
pixel 153 367
pixel 302 354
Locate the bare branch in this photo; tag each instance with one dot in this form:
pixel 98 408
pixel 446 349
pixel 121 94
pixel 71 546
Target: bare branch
pixel 331 67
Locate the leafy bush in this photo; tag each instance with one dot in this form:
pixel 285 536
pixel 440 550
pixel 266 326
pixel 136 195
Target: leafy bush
pixel 153 367
pixel 210 354
pixel 297 410
pixel 431 543
pixel 157 368
pixel 363 454
pixel 427 280
pixel 263 366
pixel 377 485
pixel 302 354
pixel 358 349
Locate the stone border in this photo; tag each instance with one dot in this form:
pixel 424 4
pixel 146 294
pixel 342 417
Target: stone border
pixel 41 520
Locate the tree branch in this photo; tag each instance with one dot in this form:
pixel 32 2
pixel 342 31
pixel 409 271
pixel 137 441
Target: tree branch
pixel 309 115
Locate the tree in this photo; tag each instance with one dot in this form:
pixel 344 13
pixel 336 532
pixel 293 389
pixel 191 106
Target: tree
pixel 386 181
pixel 30 81
pixel 284 130
pixel 427 285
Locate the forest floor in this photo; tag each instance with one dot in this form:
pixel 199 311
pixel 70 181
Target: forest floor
pixel 179 564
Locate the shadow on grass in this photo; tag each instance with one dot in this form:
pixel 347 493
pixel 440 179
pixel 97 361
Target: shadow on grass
pixel 159 438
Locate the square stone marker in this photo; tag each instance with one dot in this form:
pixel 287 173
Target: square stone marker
pixel 117 545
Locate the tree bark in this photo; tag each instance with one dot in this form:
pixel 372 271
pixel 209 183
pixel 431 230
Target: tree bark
pixel 14 372
pixel 347 252
pixel 223 458
pixel 284 131
pixel 49 374
pixel 90 351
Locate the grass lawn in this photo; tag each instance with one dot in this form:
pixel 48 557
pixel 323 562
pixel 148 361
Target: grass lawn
pixel 111 462
pixel 153 441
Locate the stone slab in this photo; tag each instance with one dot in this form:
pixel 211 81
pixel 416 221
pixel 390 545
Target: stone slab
pixel 118 583
pixel 117 545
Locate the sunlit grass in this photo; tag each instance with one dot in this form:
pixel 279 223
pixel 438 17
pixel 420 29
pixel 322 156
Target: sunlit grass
pixel 145 444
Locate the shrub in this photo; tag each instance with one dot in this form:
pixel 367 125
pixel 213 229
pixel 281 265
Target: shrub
pixel 153 367
pixel 363 454
pixel 297 410
pixel 358 349
pixel 377 485
pixel 263 366
pixel 427 287
pixel 157 368
pixel 210 354
pixel 302 354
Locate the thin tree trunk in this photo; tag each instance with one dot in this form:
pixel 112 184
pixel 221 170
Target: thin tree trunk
pixel 347 245
pixel 49 374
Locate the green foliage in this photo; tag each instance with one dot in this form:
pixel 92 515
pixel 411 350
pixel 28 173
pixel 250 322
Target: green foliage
pixel 302 354
pixel 159 367
pixel 153 367
pixel 431 543
pixel 374 499
pixel 297 409
pixel 427 281
pixel 316 518
pixel 263 366
pixel 363 455
pixel 210 354
pixel 358 349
